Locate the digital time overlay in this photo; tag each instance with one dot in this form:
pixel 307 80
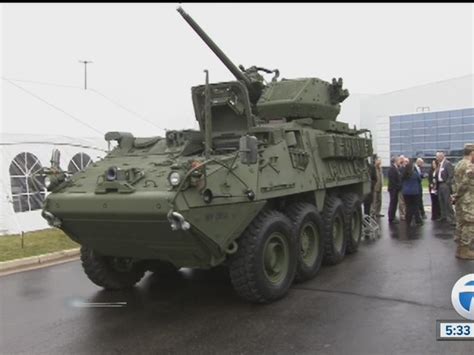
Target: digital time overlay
pixel 462 298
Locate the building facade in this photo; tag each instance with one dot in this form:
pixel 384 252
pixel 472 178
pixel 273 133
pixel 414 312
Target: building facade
pixel 421 120
pixel 423 134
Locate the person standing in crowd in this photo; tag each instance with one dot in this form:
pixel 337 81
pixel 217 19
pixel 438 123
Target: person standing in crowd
pixel 373 178
pixel 411 189
pixel 402 162
pixel 419 168
pixel 464 200
pixel 394 186
pixel 377 201
pixel 433 189
pixel 445 178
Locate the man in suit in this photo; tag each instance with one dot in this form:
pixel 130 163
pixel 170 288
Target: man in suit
pixel 394 186
pixel 445 178
pixel 419 168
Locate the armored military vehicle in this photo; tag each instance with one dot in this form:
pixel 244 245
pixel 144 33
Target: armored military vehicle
pixel 270 186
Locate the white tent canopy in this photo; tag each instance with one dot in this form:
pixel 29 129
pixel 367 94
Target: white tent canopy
pixel 22 189
pixel 40 117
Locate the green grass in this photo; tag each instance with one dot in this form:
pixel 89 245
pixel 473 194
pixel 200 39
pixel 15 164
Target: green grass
pixel 34 243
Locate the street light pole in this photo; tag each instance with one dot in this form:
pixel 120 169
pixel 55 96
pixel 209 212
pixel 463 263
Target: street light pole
pixel 85 62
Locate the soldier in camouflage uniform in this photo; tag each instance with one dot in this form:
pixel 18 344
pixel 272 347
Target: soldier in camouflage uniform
pixel 464 199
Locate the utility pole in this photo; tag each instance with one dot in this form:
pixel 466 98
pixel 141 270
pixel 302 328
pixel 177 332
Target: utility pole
pixel 85 62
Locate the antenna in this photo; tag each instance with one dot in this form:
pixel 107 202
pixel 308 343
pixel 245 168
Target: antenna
pixel 85 62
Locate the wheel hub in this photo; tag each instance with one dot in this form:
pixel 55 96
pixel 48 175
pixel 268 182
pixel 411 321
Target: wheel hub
pixel 122 264
pixel 309 244
pixel 355 225
pixel 276 258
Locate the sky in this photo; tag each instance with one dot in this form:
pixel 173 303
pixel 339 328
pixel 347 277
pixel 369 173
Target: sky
pixel 146 57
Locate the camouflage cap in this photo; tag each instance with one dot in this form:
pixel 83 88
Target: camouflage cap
pixel 469 146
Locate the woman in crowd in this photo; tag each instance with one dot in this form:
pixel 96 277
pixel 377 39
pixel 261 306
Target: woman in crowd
pixel 411 190
pixel 435 213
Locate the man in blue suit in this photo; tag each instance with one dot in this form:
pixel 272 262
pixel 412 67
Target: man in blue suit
pixel 411 190
pixel 419 168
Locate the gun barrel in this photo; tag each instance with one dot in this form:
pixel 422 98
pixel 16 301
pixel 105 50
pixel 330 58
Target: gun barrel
pixel 217 51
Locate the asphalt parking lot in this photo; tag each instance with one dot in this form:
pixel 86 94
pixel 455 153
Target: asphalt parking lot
pixel 385 299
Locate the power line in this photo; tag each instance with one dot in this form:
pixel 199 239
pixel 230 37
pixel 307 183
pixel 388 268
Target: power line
pixel 126 108
pixel 53 143
pixel 53 106
pixel 115 102
pixel 44 83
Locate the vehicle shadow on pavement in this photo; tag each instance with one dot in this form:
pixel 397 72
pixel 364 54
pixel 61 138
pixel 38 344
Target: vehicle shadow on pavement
pixel 185 287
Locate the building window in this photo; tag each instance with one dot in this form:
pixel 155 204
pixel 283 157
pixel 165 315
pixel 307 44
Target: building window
pixel 28 190
pixel 468 120
pixel 423 134
pixel 79 162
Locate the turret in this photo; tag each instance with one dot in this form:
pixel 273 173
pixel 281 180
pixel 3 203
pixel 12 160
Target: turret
pixel 250 77
pixel 288 98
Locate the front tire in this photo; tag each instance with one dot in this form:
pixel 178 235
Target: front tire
pixel 334 231
pixel 109 272
pixel 263 268
pixel 307 226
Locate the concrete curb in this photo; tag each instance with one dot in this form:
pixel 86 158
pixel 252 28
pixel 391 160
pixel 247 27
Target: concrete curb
pixel 38 260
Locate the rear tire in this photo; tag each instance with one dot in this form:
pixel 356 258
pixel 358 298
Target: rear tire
pixel 307 227
pixel 353 216
pixel 103 270
pixel 263 268
pixel 334 231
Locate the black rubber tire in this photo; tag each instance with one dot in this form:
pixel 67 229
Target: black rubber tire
pixel 300 215
pixel 352 209
pixel 101 272
pixel 333 214
pixel 246 266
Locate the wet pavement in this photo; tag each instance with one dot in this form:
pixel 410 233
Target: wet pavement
pixel 385 299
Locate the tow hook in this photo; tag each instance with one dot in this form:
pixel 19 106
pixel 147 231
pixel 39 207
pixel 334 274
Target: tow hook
pixel 177 221
pixel 52 220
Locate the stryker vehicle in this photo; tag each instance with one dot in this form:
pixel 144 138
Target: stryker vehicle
pixel 269 186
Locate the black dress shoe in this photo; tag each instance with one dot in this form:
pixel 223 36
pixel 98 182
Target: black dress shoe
pixel 380 215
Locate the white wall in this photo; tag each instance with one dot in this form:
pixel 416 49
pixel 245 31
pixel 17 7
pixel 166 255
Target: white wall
pixel 382 141
pixel 456 93
pixel 351 109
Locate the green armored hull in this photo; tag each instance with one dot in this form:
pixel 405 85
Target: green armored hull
pixel 270 185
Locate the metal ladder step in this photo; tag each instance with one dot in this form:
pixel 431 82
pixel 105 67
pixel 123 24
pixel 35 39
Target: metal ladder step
pixel 371 228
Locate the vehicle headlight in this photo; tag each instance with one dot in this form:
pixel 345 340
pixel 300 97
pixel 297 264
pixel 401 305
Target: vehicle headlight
pixel 174 178
pixel 111 173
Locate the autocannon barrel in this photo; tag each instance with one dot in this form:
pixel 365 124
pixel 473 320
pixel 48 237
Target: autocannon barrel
pixel 217 51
